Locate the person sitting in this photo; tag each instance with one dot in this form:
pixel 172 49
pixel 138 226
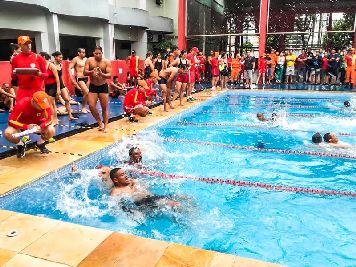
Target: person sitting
pixel 135 101
pixel 116 89
pixel 332 140
pixel 7 96
pixel 141 197
pixel 31 113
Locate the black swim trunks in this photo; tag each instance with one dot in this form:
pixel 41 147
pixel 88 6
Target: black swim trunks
pixel 51 89
pixel 101 89
pixel 61 83
pixel 82 79
pixel 162 80
pixel 149 202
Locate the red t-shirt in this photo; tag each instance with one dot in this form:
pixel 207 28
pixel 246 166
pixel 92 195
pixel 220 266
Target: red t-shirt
pixel 325 63
pixel 50 79
pixel 214 66
pixel 30 60
pixel 191 58
pixel 133 62
pixel 262 64
pixel 24 114
pixel 133 98
pixel 229 60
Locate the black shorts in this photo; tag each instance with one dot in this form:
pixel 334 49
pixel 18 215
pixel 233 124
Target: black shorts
pixel 14 82
pixel 61 83
pixel 51 89
pixel 101 89
pixel 162 80
pixel 82 79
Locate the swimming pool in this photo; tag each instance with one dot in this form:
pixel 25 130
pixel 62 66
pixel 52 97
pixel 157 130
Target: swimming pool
pixel 222 139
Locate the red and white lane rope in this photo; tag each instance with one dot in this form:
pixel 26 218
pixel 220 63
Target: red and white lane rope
pixel 245 112
pixel 287 106
pixel 211 124
pixel 286 99
pixel 248 184
pixel 252 148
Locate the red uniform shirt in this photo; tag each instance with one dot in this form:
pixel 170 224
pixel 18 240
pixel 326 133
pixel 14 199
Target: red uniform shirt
pixel 191 58
pixel 24 114
pixel 324 64
pixel 262 64
pixel 30 60
pixel 214 66
pixel 50 79
pixel 229 60
pixel 134 63
pixel 133 98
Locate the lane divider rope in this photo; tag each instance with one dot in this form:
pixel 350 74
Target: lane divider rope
pixel 248 184
pixel 288 106
pixel 288 98
pixel 246 112
pixel 252 126
pixel 252 148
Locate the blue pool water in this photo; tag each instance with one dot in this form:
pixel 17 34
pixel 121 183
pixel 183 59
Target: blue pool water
pixel 283 227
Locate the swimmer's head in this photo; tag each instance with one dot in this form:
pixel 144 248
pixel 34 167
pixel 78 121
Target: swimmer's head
pixel 118 177
pixel 347 104
pixel 260 116
pixel 316 138
pixel 331 138
pixel 274 116
pixel 135 155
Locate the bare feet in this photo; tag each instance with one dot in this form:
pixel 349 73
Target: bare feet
pixel 85 110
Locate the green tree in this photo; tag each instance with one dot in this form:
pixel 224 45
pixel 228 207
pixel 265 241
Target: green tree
pixel 343 39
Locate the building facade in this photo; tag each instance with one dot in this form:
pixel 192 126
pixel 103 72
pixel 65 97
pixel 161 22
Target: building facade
pixel 64 25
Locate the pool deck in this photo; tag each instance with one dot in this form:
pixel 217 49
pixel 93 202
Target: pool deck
pixel 46 242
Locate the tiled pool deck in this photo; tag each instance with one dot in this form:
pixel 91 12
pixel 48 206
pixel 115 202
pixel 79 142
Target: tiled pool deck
pixel 46 242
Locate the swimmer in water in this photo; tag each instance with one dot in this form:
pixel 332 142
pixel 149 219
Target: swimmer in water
pixel 332 140
pixel 317 139
pixel 347 104
pixel 261 117
pixel 104 174
pixel 135 156
pixel 142 198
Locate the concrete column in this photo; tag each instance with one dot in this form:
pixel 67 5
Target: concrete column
pixel 141 4
pixel 41 41
pixel 108 40
pixel 141 45
pixel 182 39
pixel 53 33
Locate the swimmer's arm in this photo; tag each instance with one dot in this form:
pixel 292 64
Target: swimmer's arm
pixel 174 63
pixel 72 65
pixel 6 93
pixel 172 76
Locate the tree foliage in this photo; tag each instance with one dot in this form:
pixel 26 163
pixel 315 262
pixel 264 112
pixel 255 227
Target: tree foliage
pixel 343 39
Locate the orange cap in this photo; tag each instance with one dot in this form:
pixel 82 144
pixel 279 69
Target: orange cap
pixel 41 98
pixel 23 39
pixel 143 84
pixel 195 49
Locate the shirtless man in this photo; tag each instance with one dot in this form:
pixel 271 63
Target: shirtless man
pixel 142 198
pixel 332 140
pixel 80 81
pixel 166 79
pixel 99 70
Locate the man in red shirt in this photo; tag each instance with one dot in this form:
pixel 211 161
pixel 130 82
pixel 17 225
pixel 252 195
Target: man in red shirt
pixel 31 113
pixel 33 81
pixel 135 101
pixel 191 57
pixel 134 62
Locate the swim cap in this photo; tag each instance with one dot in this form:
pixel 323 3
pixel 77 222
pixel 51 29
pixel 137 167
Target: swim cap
pixel 316 138
pixel 347 103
